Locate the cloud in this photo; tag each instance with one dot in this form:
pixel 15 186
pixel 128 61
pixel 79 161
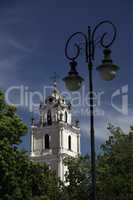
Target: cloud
pixel 7 71
pixel 101 132
pixel 19 46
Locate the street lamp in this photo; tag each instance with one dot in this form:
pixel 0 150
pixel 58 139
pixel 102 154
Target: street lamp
pixel 73 81
pixel 107 71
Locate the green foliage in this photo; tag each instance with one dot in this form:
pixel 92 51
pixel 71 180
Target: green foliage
pixel 114 170
pixel 115 166
pixel 11 127
pixel 77 178
pixel 21 179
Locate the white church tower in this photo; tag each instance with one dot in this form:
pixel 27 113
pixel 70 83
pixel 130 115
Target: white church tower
pixel 55 137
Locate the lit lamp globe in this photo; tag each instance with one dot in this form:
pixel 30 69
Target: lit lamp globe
pixel 107 69
pixel 73 81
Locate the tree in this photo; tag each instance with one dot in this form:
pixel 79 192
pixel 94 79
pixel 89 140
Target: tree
pixel 114 170
pixel 77 178
pixel 11 127
pixel 19 177
pixel 115 166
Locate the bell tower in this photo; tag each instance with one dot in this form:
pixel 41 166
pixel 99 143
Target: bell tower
pixel 55 136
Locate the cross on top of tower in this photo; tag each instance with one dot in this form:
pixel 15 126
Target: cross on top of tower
pixel 55 78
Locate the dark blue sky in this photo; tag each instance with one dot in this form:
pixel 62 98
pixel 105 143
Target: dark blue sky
pixel 32 40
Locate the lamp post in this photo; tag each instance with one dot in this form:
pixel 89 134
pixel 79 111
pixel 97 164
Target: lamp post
pixel 107 71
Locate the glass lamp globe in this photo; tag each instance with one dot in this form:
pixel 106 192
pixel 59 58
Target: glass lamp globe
pixel 73 81
pixel 107 69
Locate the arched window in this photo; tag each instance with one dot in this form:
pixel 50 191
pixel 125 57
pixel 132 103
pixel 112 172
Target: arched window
pixel 65 116
pixel 49 118
pixel 61 116
pixel 47 146
pixel 69 142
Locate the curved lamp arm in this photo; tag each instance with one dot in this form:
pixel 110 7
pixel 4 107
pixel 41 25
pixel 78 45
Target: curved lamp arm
pixel 90 43
pixel 102 39
pixel 77 47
